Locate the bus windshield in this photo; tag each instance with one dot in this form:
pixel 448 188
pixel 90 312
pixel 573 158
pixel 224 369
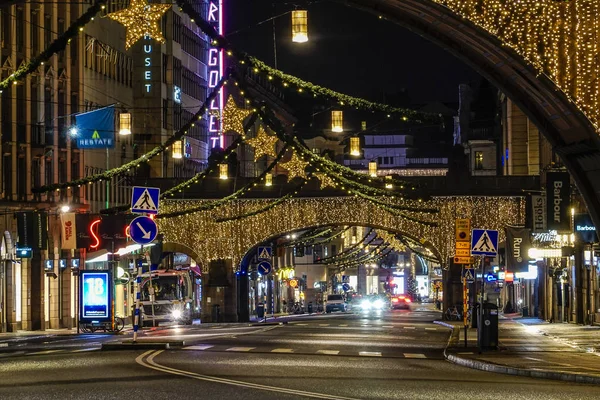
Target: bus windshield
pixel 165 288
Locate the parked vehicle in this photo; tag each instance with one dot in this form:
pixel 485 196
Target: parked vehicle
pixel 335 302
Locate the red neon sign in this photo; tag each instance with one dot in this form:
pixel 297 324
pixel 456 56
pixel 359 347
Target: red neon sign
pixel 94 234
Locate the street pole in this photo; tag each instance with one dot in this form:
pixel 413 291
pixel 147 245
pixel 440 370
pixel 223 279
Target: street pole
pixel 465 294
pixel 481 302
pixel 136 318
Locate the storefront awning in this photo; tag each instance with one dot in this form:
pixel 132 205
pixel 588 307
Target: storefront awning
pixel 102 255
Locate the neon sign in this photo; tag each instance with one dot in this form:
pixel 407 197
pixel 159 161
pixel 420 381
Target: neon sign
pixel 148 64
pixel 94 234
pixel 215 73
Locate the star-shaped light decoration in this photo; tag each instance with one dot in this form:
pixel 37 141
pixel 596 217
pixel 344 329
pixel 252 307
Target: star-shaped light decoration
pixel 325 180
pixel 233 117
pixel 141 19
pixel 263 143
pixel 295 167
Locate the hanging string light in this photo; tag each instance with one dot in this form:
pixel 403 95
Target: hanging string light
pixel 295 167
pixel 337 121
pixel 223 171
pixel 299 26
pixel 125 123
pixel 263 144
pixel 141 19
pixel 355 146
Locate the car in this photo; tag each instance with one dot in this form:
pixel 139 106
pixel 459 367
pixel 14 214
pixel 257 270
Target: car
pixel 335 302
pixel 401 302
pixel 374 303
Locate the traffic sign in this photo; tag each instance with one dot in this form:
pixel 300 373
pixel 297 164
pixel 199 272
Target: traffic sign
pixel 264 268
pixel 143 230
pixel 144 200
pixel 463 245
pixel 346 287
pixel 463 252
pixel 293 283
pixel 463 260
pixel 463 229
pixel 468 274
pixel 265 253
pixel 484 242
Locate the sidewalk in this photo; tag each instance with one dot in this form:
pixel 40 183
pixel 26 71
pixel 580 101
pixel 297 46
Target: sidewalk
pixel 532 347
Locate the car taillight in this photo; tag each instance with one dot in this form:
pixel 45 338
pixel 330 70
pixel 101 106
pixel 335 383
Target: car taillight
pixel 407 300
pixel 395 300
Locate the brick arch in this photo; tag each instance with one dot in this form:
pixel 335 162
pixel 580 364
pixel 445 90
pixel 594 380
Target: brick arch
pixel 174 247
pixel 231 240
pixel 567 112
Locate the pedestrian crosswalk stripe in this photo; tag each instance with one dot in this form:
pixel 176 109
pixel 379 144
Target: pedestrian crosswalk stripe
pixel 43 352
pixel 83 350
pixel 329 352
pixel 431 329
pixel 199 347
pixel 300 324
pixel 240 348
pixel 344 325
pixel 387 326
pixel 282 351
pixel 409 327
pixel 414 355
pixel 369 353
pixel 323 324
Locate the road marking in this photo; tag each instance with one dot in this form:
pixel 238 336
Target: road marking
pixel 150 363
pixel 3 344
pixel 387 326
pixel 240 348
pixel 199 347
pixel 414 355
pixel 431 329
pixel 323 324
pixel 344 325
pixel 282 351
pixel 82 350
pixel 365 325
pixel 466 352
pixel 42 352
pixel 369 353
pixel 329 352
pixel 409 327
pixel 296 323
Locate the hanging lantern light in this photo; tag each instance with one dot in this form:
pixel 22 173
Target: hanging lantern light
pixel 125 123
pixel 337 121
pixel 363 125
pixel 269 179
pixel 388 185
pixel 223 171
pixel 177 152
pixel 355 146
pixel 373 169
pixel 299 26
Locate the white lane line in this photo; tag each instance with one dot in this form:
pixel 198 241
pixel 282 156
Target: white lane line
pixel 82 350
pixel 150 363
pixel 431 329
pixel 409 327
pixel 365 325
pixel 199 347
pixel 3 344
pixel 369 354
pixel 414 355
pixel 43 352
pixel 323 324
pixel 344 325
pixel 329 352
pixel 282 351
pixel 387 326
pixel 295 323
pixel 240 348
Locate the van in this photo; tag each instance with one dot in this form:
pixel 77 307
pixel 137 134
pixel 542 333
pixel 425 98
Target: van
pixel 335 302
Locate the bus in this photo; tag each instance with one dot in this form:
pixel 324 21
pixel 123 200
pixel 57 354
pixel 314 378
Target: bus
pixel 170 296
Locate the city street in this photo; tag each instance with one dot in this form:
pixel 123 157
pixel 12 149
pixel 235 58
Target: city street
pixel 392 355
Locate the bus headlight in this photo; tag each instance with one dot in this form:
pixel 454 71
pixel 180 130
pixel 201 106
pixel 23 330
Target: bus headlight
pixel 176 313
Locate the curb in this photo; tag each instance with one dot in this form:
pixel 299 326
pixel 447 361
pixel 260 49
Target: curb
pixel 268 323
pixel 502 369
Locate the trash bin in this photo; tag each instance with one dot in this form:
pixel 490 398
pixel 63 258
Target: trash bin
pixel 475 315
pixel 525 312
pixel 487 332
pixel 216 313
pixel 310 308
pixel 260 310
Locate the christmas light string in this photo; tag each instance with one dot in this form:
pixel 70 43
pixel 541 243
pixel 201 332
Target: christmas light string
pixel 114 172
pixel 350 251
pixel 306 238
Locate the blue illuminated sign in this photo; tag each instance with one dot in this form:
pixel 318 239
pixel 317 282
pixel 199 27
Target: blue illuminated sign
pixel 95 294
pixel 491 277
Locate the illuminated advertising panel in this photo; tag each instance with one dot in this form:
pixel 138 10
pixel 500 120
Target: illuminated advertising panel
pixel 215 73
pixel 95 295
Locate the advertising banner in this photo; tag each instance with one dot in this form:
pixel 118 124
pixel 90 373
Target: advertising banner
pixel 83 232
pixel 96 129
pixel 536 213
pixel 518 243
pixel 32 228
pixel 68 231
pixel 558 201
pixel 585 231
pixel 95 295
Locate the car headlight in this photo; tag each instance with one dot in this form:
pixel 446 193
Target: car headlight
pixel 378 304
pixel 176 313
pixel 366 304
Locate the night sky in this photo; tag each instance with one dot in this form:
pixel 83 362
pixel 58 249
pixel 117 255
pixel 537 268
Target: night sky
pixel 349 50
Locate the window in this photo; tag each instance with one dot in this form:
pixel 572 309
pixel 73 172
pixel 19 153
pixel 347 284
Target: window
pixel 478 160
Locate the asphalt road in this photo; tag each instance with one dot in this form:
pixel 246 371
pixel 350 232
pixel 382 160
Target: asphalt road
pixel 395 355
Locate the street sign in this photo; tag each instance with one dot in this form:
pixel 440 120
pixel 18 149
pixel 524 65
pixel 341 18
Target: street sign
pixel 265 253
pixel 463 252
pixel 346 287
pixel 293 283
pixel 143 230
pixel 463 260
pixel 468 274
pixel 484 242
pixel 264 268
pixel 144 200
pixel 464 245
pixel 463 229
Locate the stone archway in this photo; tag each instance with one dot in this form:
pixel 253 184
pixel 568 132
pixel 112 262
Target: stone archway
pixel 174 247
pixel 555 84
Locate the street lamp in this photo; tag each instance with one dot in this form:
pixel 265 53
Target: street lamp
pixel 65 208
pixel 373 169
pixel 177 151
pixel 223 171
pixel 300 26
pixel 355 146
pixel 125 123
pixel 269 179
pixel 337 121
pixel 73 131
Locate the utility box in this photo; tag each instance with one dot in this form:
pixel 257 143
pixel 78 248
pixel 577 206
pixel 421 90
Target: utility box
pixel 487 330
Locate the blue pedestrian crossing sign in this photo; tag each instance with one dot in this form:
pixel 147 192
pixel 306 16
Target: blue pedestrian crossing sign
pixel 265 253
pixel 264 268
pixel 143 230
pixel 484 242
pixel 144 200
pixel 468 274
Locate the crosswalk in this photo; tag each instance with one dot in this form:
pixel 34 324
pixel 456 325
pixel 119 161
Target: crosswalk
pixel 326 352
pixel 370 326
pixel 46 352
